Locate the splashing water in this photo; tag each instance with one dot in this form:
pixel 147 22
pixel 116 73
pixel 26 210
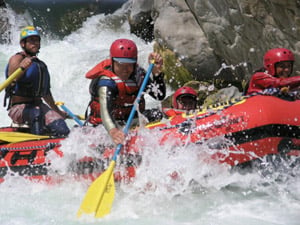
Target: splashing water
pixel 173 185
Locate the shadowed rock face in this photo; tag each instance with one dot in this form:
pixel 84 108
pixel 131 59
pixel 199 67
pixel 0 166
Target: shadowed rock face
pixel 206 33
pixel 4 24
pixel 62 17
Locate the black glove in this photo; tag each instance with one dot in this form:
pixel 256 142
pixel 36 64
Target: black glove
pixel 153 115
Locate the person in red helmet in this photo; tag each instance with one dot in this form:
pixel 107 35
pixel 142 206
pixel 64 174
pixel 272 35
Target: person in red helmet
pixel 115 84
pixel 183 100
pixel 275 77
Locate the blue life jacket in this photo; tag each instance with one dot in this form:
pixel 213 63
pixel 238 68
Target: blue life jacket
pixel 35 82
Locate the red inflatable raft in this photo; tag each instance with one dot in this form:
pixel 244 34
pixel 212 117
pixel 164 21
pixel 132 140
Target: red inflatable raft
pixel 243 130
pixel 239 132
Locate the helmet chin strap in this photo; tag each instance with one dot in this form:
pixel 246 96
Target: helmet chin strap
pixel 292 69
pixel 30 53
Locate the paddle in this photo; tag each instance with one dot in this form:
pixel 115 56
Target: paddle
pixel 11 78
pixel 81 117
pixel 100 195
pixel 62 105
pixel 13 137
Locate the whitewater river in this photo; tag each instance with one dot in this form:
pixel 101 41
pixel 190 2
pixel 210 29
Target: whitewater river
pixel 217 197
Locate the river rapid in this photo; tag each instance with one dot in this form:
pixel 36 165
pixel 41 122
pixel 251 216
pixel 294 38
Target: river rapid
pixel 205 193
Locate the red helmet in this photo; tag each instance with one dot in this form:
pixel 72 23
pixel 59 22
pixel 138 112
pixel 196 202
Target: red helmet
pixel 183 91
pixel 123 51
pixel 276 55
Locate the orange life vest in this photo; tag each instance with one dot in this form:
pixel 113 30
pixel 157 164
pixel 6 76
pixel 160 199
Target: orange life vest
pixel 123 103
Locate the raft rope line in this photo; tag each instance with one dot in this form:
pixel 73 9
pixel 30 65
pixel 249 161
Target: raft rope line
pixel 47 147
pixel 217 107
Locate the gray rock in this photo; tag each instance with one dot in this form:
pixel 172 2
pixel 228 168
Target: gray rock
pixel 220 38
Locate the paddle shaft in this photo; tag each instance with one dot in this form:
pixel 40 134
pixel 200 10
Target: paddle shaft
pixel 11 78
pixel 100 195
pixel 109 172
pixel 71 114
pixel 133 110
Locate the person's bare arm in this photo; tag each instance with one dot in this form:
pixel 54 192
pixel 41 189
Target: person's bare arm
pixel 50 101
pixel 18 61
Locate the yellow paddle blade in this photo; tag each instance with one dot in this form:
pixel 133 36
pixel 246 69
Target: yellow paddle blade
pixel 14 137
pixel 100 195
pixel 11 78
pixel 107 199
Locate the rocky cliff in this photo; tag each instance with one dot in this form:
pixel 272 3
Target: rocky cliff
pixel 218 39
